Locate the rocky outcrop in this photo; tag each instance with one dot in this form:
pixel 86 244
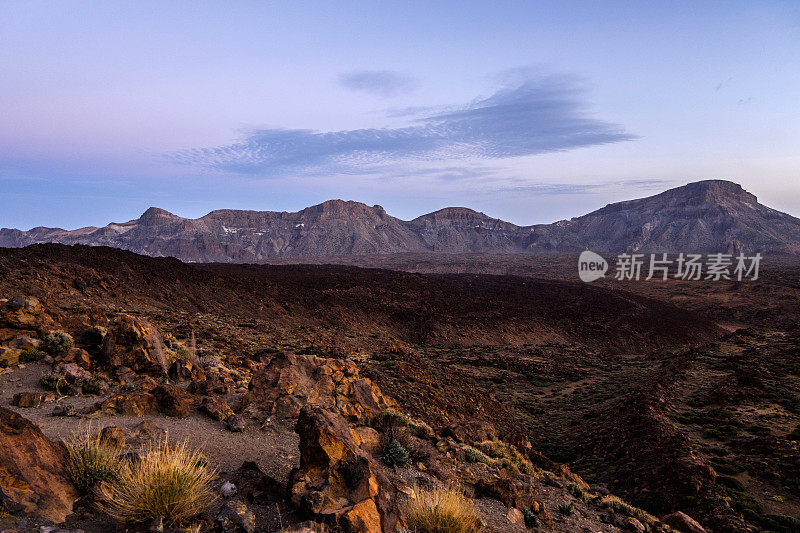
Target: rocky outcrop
pixel 134 343
pixel 291 381
pixel 174 401
pixel 32 470
pixel 338 482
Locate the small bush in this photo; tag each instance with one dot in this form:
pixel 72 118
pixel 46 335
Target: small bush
pixel 395 454
pixel 169 482
pixel 30 354
pixel 441 511
pixel 390 417
pixel 54 382
pixel 57 342
pixel 92 386
pixel 475 456
pixel 578 492
pixel 91 461
pixel 507 455
pixel 731 482
pixel 566 508
pixel 531 520
pixel 617 505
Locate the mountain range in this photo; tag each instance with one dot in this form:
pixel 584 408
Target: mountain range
pixel 702 217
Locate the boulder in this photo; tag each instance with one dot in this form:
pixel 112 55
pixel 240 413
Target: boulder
pixel 174 401
pixel 236 424
pixel 77 356
pixel 73 373
pixel 181 370
pixel 291 381
pixel 131 404
pixel 9 356
pixel 21 312
pixel 235 517
pixel 682 522
pixel 215 408
pixel 32 399
pixel 25 341
pixel 252 484
pixel 32 470
pixel 337 481
pixel 113 436
pixel 134 343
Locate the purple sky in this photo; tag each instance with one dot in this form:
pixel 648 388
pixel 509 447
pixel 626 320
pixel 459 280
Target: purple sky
pixel 531 112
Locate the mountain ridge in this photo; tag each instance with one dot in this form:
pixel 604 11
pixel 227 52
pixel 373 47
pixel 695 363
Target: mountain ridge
pixel 711 216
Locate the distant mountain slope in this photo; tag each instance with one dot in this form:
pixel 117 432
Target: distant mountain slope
pixel 703 217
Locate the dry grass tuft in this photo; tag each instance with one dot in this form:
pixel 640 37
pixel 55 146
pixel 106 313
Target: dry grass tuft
pixel 169 482
pixel 441 511
pixel 618 505
pixel 91 460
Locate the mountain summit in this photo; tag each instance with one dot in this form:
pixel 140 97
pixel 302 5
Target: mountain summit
pixel 702 217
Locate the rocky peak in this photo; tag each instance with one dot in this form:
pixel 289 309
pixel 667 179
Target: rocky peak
pixel 155 216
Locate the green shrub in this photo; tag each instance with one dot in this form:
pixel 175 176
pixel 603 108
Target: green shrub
pixel 91 461
pixel 390 417
pixel 92 386
pixel 731 483
pixel 475 456
pixel 54 382
pixel 395 454
pixel 578 492
pixel 57 342
pixel 531 520
pixel 566 508
pixel 30 354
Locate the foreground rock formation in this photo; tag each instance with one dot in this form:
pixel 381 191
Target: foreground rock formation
pixel 32 470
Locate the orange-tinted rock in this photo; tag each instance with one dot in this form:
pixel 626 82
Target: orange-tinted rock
pixel 337 481
pixel 683 523
pixel 32 469
pixel 132 404
pixel 181 370
pixel 216 408
pixel 174 401
pixel 32 399
pixel 114 436
pixel 291 381
pixel 134 343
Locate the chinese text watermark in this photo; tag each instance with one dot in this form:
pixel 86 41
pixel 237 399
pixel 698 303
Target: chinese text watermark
pixel 663 266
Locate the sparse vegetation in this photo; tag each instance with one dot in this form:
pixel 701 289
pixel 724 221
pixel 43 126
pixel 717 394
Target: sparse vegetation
pixel 566 508
pixel 578 492
pixel 91 461
pixel 169 482
pixel 476 456
pixel 30 354
pixel 92 386
pixel 507 456
pixel 395 454
pixel 390 417
pixel 442 511
pixel 54 382
pixel 57 342
pixel 619 506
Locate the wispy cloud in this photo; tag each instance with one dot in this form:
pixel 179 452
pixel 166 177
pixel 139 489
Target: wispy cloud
pixel 378 82
pixel 534 116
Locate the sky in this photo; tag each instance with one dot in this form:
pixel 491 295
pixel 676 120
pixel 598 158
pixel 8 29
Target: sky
pixel 528 111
